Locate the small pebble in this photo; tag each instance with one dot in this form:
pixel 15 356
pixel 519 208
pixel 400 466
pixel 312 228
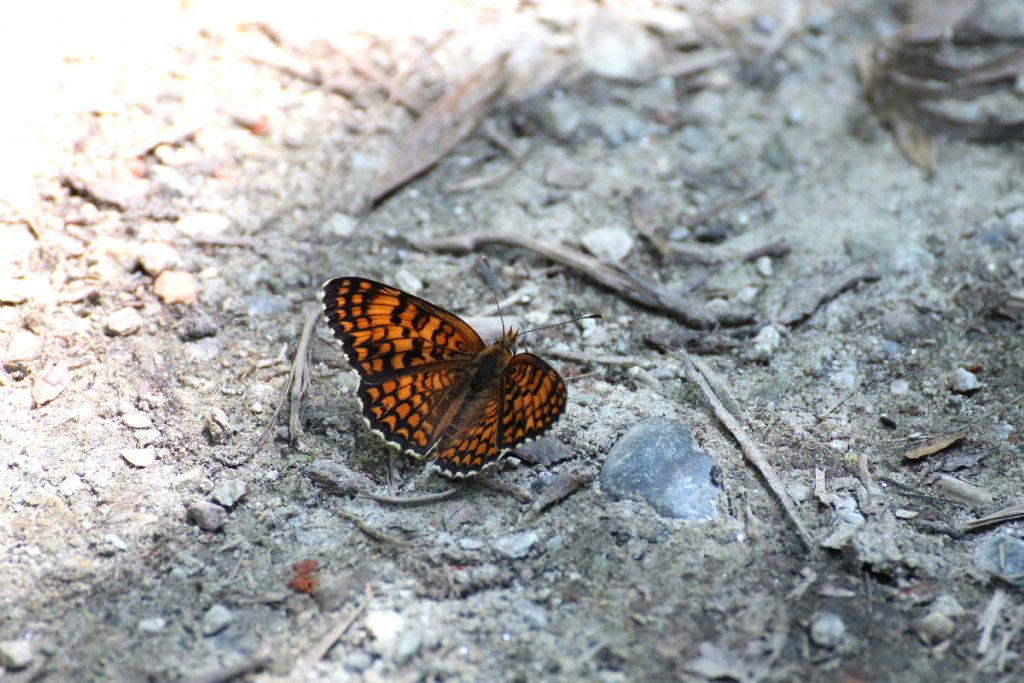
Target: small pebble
pixel 139 457
pixel 765 343
pixel 156 257
pixel 1002 556
pixel 384 625
pixel 50 384
pixel 358 661
pixel 517 545
pixel 964 382
pixel 409 282
pixel 15 654
pixel 565 175
pixel 218 428
pixel 202 224
pixel 611 244
pixel 216 619
pixel 123 322
pixel 899 387
pixel 24 346
pixel 199 326
pixel 146 437
pixel 176 287
pixel 407 645
pixel 827 629
pixel 934 628
pixel 207 516
pixel 227 492
pixel 137 420
pixel 763 266
pixel 152 625
pixel 340 225
pixel 71 485
pixel 658 461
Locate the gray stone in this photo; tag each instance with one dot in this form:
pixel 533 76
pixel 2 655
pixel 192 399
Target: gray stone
pixel 516 546
pixel 408 644
pixel 934 628
pixel 827 629
pixel 139 457
pixel 216 619
pixel 765 343
pixel 1001 555
pixel 207 516
pixel 227 492
pixel 156 257
pixel 123 322
pixel 152 625
pixel 610 244
pixel 657 461
pixel 15 654
pixel 137 420
pixel 358 661
pixel 266 305
pixel 964 382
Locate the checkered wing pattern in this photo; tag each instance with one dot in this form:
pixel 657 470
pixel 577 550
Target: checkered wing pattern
pixel 472 443
pixel 534 397
pixel 386 332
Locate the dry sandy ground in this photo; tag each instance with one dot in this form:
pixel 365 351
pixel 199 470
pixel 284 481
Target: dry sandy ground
pixel 179 182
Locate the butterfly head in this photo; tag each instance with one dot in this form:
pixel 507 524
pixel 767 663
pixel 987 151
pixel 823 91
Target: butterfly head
pixel 508 341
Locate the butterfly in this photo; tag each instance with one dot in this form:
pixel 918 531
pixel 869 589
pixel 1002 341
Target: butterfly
pixel 429 384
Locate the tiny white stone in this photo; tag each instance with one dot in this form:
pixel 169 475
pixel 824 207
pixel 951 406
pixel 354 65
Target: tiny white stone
pixel 409 282
pixel 611 244
pixel 152 624
pixel 216 619
pixel 203 223
pixel 123 322
pixel 137 420
pixel 140 457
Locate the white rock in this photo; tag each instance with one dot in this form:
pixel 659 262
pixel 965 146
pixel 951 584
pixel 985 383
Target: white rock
pixel 384 625
pixel 140 457
pixel 227 492
pixel 71 485
pixel 610 244
pixel 152 625
pixel 137 420
pixel 216 619
pixel 24 346
pixel 409 282
pixel 156 257
pixel 516 546
pixel 766 343
pixel 203 223
pixel 15 654
pixel 614 47
pixel 340 225
pixel 827 630
pixel 123 322
pixel 964 382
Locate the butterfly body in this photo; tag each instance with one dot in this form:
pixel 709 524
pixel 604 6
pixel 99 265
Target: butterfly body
pixel 429 384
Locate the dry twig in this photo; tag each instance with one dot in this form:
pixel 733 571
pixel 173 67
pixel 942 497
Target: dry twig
pixel 712 389
pixel 324 645
pixel 295 386
pixel 625 284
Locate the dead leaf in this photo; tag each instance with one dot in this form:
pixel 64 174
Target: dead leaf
pixel 916 144
pixel 933 445
pixel 442 126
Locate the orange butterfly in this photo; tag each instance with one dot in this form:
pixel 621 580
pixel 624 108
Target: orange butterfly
pixel 430 385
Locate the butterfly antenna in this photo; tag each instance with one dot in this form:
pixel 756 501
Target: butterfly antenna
pixel 592 316
pixel 489 274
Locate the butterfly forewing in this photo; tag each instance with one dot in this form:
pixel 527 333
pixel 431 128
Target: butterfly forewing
pixel 534 398
pixel 386 332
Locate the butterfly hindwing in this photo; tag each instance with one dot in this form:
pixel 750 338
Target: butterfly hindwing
pixel 533 398
pixel 386 332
